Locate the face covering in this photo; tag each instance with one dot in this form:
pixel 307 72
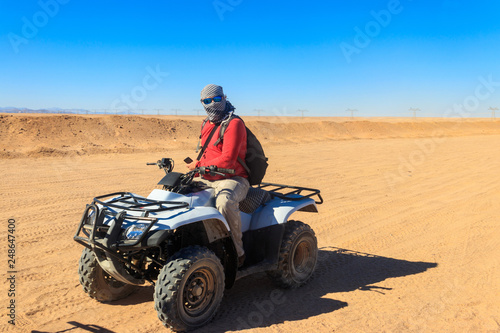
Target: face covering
pixel 216 111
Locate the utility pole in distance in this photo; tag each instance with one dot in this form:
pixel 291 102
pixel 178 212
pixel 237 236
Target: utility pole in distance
pixel 352 112
pixel 197 111
pixel 302 112
pixel 176 110
pixel 414 110
pixel 158 111
pixel 258 112
pixel 493 112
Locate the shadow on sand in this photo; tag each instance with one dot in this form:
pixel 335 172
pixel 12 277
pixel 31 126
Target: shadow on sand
pixel 255 302
pixel 81 328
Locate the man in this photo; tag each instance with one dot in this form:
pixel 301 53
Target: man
pixel 232 189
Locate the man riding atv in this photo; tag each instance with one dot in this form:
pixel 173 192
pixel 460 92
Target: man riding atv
pixel 186 238
pixel 231 189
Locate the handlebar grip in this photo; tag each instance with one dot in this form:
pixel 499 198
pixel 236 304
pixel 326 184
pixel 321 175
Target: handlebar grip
pixel 229 171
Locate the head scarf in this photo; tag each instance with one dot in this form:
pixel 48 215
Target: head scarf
pixel 216 111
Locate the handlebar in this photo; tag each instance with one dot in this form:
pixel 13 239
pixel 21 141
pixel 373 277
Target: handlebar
pixel 228 171
pixel 167 164
pixel 187 178
pixel 212 171
pixel 184 182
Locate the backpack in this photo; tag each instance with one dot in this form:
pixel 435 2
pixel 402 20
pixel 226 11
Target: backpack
pixel 255 162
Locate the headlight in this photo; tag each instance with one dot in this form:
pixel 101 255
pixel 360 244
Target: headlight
pixel 135 231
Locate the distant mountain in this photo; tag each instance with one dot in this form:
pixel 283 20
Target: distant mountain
pixel 12 109
pixel 55 110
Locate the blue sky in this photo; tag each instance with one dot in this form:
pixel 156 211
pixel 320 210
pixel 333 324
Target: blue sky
pixel 379 57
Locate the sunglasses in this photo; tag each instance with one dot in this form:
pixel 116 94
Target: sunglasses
pixel 209 100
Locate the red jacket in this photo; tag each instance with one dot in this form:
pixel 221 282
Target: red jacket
pixel 225 154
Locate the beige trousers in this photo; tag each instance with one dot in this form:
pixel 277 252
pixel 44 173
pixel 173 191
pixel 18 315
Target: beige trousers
pixel 228 194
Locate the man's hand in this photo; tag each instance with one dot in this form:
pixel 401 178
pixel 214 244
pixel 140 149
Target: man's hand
pixel 191 166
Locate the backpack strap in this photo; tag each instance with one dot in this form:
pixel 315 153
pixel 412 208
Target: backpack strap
pixel 223 127
pixel 244 165
pixel 206 142
pixel 199 140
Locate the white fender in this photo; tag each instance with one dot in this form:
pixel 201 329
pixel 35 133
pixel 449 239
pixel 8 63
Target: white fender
pixel 162 195
pixel 178 217
pixel 277 211
pixel 246 220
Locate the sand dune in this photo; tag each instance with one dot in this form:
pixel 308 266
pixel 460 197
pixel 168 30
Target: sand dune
pixel 408 234
pixel 61 135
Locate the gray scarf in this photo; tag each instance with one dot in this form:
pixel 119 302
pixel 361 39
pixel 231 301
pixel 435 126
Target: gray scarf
pixel 216 111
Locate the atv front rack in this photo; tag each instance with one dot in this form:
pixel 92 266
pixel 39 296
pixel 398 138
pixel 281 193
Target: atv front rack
pixel 128 201
pixel 283 192
pixel 92 224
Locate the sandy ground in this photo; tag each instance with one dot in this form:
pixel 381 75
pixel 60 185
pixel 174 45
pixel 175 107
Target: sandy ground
pixel 408 234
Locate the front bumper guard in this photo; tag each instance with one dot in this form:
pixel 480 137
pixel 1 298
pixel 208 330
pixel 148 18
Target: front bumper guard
pixel 94 234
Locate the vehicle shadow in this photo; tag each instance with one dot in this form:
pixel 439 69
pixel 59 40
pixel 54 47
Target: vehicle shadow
pixel 255 302
pixel 81 328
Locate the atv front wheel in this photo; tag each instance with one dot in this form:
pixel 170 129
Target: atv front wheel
pixel 189 289
pixel 298 256
pixel 99 284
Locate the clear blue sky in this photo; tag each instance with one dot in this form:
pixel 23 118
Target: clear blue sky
pixel 380 57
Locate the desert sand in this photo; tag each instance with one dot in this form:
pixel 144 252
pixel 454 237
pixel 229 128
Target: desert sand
pixel 408 234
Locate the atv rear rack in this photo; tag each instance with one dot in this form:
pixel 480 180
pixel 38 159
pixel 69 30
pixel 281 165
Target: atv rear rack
pixel 277 190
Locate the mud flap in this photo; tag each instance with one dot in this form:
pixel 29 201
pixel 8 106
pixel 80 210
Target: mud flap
pixel 263 244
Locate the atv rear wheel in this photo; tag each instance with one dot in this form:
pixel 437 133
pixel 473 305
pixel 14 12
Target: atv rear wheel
pixel 99 284
pixel 189 289
pixel 298 256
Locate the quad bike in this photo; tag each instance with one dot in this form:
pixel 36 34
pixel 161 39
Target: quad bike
pixel 178 241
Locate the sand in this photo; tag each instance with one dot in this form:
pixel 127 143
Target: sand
pixel 408 234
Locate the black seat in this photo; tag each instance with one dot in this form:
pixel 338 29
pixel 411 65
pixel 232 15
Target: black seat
pixel 254 199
